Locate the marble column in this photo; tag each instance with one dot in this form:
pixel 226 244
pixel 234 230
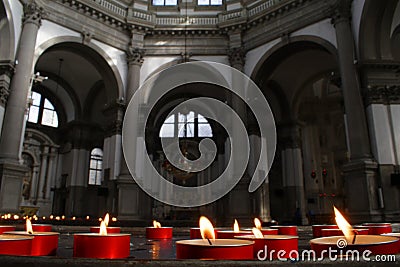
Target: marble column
pixel 133 202
pixel 293 174
pixel 6 72
pixel 360 172
pixel 20 84
pixel 11 171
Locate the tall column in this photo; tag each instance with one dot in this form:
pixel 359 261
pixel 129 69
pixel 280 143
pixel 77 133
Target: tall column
pixel 360 172
pixel 133 202
pixel 6 71
pixel 11 171
pixel 14 117
pixel 292 174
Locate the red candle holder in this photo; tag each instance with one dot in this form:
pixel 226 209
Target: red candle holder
pixel 41 227
pixel 110 246
pixel 338 232
pixel 227 249
pixel 6 228
pixel 195 232
pixel 265 231
pixel 43 243
pixel 110 230
pixel 378 228
pixel 377 244
pixel 286 229
pixel 159 232
pixel 230 234
pixel 274 246
pixel 316 229
pixel 15 245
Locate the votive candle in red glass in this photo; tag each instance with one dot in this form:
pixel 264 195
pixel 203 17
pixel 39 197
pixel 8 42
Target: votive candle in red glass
pixel 220 249
pixel 377 244
pixel 43 243
pixel 273 246
pixel 316 229
pixel 338 232
pixel 286 229
pixel 230 234
pixel 378 228
pixel 94 245
pixel 6 228
pixel 41 227
pixel 16 245
pixel 159 232
pixel 110 230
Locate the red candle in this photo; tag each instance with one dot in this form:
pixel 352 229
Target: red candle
pixel 195 232
pixel 158 232
pixel 316 229
pixel 41 227
pixel 273 246
pixel 6 228
pixel 110 230
pixel 377 244
pixel 228 249
pixel 43 243
pixel 15 245
pixel 285 229
pixel 338 232
pixel 229 234
pixel 378 228
pixel 94 245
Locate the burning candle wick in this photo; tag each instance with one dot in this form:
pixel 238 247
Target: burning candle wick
pixel 355 236
pixel 209 241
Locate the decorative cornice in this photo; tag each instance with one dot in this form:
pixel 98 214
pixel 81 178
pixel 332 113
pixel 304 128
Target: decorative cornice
pixel 32 13
pixel 135 56
pixel 383 94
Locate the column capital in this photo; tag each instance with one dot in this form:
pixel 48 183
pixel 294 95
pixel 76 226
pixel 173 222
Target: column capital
pixel 32 13
pixel 382 94
pixel 341 11
pixel 135 56
pixel 237 56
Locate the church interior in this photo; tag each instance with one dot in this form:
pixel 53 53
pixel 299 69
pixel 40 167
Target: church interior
pixel 328 69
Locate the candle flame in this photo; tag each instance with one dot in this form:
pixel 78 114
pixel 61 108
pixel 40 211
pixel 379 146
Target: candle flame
pixel 29 229
pixel 107 219
pixel 343 225
pixel 257 233
pixel 103 228
pixel 156 224
pixel 257 223
pixel 236 227
pixel 206 229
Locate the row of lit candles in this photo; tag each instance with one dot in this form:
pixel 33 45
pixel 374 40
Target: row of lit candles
pixel 237 245
pixel 10 216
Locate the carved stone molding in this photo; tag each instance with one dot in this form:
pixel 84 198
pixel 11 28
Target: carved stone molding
pixel 237 56
pixel 341 11
pixel 32 13
pixel 135 56
pixel 86 37
pixel 383 94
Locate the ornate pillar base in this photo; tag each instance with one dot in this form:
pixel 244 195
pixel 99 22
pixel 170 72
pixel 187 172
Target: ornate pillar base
pixel 133 202
pixel 362 191
pixel 11 177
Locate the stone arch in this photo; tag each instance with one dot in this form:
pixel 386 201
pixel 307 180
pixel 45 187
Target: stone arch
pixel 7 33
pixel 105 59
pixel 375 29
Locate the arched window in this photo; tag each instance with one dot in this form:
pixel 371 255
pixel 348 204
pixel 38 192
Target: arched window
pixel 95 166
pixel 186 125
pixel 42 111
